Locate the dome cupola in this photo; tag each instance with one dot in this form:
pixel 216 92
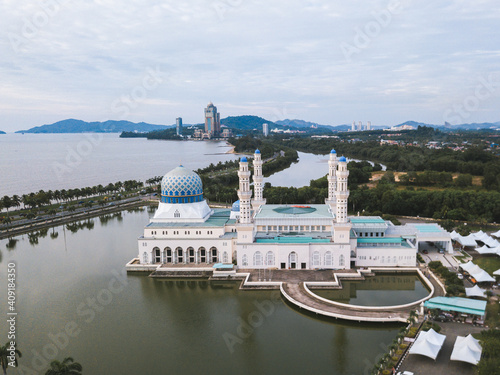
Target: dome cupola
pixel 181 185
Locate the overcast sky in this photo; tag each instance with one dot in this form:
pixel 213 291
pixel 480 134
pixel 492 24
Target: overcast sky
pixel 325 61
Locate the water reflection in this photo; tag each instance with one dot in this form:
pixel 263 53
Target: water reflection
pixel 379 290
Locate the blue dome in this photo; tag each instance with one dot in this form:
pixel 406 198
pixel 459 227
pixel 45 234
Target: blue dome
pixel 333 151
pixel 236 206
pixel 257 151
pixel 244 159
pixel 181 185
pixel 343 159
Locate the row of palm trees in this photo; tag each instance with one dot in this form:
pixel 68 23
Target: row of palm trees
pixel 43 198
pixel 67 367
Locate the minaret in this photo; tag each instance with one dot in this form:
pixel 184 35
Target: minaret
pixel 244 192
pixel 257 182
pixel 332 180
pixel 342 193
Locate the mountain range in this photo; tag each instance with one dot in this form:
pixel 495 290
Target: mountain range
pixel 246 122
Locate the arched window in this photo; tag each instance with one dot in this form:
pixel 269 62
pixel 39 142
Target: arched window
pixel 244 260
pixel 257 258
pixel 168 255
pixel 177 213
pixel 316 259
pixel 341 261
pixel 178 252
pixel 270 258
pixel 190 254
pixel 144 258
pixel 213 254
pixel 202 255
pixel 328 259
pixel 224 257
pixel 156 255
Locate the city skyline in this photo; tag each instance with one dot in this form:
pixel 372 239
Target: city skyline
pixel 318 61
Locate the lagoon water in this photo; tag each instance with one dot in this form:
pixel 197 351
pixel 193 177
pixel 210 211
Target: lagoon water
pixel 132 324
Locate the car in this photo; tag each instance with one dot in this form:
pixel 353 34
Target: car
pixel 441 318
pixel 405 373
pixel 425 251
pixel 460 276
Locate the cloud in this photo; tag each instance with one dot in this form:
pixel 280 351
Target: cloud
pixel 74 59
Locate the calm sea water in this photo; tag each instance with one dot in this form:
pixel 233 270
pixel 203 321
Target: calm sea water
pixel 31 162
pixel 131 324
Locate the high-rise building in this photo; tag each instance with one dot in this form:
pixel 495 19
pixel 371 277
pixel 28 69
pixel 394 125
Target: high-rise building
pixel 212 120
pixel 353 127
pixel 178 125
pixel 265 129
pixel 369 125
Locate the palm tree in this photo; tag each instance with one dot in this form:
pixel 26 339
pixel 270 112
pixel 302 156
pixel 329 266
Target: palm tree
pixel 66 367
pixel 4 353
pixel 16 201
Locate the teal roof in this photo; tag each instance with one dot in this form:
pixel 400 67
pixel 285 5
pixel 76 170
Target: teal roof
pixel 428 228
pixel 367 220
pixel 223 266
pixel 275 211
pixel 458 304
pixel 292 240
pixel 397 240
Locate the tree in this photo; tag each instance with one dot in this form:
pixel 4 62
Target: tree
pixel 7 203
pixel 5 352
pixel 66 367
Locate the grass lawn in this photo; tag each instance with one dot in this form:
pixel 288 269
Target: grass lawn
pixel 488 263
pixel 493 314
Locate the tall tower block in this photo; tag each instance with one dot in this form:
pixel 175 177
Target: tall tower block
pixel 353 126
pixel 342 193
pixel 332 180
pixel 258 180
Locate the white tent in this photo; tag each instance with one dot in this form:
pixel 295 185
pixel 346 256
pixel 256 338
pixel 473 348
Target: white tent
pixel 497 272
pixel 478 235
pixel 491 242
pixel 477 272
pixel 475 291
pixel 496 234
pixel 455 236
pixel 467 241
pixel 428 343
pixel 486 250
pixel 466 349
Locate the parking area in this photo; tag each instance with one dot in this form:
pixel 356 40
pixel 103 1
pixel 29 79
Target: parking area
pixel 419 364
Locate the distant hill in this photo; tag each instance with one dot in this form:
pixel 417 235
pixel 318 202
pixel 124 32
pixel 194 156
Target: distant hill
pixel 1 132
pixel 247 122
pixel 298 123
pixel 79 126
pixel 447 126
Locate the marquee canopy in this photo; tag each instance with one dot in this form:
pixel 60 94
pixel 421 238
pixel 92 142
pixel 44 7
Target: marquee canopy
pixel 428 343
pixel 466 349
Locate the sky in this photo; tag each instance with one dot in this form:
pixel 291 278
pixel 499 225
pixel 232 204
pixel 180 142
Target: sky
pixel 325 61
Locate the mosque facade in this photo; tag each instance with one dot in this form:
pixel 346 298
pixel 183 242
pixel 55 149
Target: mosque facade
pixel 185 231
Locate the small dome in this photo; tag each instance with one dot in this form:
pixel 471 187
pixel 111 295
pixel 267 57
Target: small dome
pixel 181 185
pixel 244 159
pixel 333 151
pixel 343 159
pixel 236 206
pixel 257 151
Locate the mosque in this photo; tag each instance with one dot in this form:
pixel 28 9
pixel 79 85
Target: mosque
pixel 185 232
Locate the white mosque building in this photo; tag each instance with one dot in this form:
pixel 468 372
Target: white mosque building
pixel 186 232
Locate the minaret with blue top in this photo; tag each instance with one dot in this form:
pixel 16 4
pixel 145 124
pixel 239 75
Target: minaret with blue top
pixel 258 180
pixel 332 180
pixel 342 193
pixel 244 192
